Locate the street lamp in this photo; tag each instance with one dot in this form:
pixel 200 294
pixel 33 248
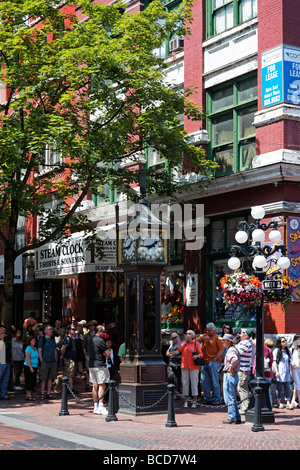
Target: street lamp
pixel 256 252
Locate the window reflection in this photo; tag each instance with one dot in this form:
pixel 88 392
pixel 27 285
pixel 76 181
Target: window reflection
pixel 149 314
pixel 132 315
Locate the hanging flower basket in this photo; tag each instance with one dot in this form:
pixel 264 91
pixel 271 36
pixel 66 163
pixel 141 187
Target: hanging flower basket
pixel 280 296
pixel 241 289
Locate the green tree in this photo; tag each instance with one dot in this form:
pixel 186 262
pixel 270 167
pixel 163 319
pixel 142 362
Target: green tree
pixel 93 93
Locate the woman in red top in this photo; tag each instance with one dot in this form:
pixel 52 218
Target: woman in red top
pixel 189 370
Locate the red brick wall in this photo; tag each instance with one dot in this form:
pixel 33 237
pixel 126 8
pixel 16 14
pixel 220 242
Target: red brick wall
pixel 194 61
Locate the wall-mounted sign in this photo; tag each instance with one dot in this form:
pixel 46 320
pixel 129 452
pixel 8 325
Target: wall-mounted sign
pixel 18 270
pixel 72 257
pixel 293 247
pixel 291 57
pixel 271 77
pixel 191 290
pixel 280 74
pixel 272 284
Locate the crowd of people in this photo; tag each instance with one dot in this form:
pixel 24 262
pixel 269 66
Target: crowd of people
pixel 211 367
pixel 81 351
pixel 227 367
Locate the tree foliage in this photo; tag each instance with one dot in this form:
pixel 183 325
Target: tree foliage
pixel 90 87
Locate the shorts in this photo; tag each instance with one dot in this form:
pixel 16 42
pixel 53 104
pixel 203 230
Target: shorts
pixel 48 370
pixel 99 375
pixel 69 367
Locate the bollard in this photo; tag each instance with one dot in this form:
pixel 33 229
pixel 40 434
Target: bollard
pixel 64 398
pixel 171 423
pixel 111 412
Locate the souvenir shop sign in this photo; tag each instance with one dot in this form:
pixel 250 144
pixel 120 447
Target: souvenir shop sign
pixel 73 257
pixel 293 246
pixel 18 270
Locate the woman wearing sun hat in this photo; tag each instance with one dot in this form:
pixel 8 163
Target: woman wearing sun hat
pixel 230 379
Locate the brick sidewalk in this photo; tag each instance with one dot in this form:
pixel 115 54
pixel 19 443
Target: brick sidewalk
pixel 38 426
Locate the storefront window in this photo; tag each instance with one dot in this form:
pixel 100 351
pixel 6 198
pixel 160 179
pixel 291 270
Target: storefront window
pixel 132 315
pixel 237 315
pixel 172 301
pixel 220 239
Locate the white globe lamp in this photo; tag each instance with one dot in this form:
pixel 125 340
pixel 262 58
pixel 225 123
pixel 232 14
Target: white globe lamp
pixel 283 262
pixel 234 263
pixel 259 261
pixel 258 235
pixel 274 236
pixel 258 212
pixel 241 236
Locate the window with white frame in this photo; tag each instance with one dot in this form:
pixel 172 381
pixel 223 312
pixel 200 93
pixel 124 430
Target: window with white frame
pixel 225 14
pixel 174 43
pixel 54 204
pixel 51 157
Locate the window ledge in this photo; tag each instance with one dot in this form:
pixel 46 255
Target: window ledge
pixel 230 32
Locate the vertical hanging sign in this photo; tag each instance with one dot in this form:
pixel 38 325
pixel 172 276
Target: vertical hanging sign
pixel 291 74
pixel 271 77
pixel 280 76
pixel 293 248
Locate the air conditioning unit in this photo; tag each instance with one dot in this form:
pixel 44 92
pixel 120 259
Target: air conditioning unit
pixel 176 44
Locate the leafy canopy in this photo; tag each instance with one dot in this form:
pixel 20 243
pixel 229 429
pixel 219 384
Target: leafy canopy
pixel 82 79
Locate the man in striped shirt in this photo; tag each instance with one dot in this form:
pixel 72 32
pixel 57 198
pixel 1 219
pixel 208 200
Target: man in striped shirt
pixel 245 349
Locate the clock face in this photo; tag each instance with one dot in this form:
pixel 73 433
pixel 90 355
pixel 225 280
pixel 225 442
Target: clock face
pixel 151 249
pixel 294 224
pixel 128 248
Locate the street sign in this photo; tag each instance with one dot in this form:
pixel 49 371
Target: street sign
pixel 272 284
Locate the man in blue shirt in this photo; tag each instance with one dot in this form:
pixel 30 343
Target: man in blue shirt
pixel 48 360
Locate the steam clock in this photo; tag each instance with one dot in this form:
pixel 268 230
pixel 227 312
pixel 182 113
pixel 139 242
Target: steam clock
pixel 142 253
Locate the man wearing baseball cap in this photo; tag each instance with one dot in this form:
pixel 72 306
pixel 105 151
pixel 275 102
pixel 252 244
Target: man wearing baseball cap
pixel 230 379
pixel 213 349
pixel 245 349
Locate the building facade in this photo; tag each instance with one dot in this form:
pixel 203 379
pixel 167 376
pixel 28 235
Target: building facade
pixel 243 56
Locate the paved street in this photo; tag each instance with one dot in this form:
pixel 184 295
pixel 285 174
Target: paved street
pixel 38 426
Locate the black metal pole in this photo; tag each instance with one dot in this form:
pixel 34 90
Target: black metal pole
pixel 111 409
pixel 259 376
pixel 64 398
pixel 171 423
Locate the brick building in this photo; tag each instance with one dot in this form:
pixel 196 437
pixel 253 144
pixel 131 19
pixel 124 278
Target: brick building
pixel 244 58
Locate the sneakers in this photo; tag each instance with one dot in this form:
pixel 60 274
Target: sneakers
pixel 16 387
pixel 194 405
pixel 290 407
pixel 100 410
pixel 185 405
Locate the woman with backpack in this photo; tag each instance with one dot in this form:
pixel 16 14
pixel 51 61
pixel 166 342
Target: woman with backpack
pixel 282 357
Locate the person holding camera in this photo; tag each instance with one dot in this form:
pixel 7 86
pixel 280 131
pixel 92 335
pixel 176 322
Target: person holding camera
pixel 230 379
pixel 173 369
pixel 190 351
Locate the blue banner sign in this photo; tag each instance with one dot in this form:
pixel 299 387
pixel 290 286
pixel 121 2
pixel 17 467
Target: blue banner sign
pixel 271 83
pixel 291 75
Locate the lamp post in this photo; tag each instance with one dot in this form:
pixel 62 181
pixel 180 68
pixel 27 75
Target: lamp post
pixel 257 253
